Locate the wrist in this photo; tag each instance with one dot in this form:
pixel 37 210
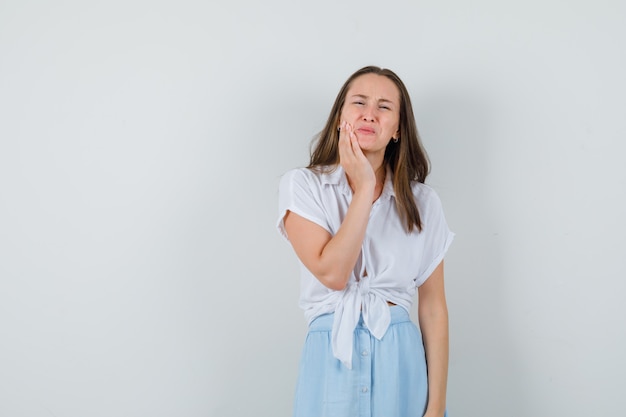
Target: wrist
pixel 435 410
pixel 363 193
pixel 432 413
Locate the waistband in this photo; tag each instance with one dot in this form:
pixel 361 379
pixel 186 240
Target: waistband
pixel 325 321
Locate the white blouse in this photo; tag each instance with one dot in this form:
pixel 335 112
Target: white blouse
pixel 392 264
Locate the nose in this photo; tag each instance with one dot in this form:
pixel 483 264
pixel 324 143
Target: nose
pixel 368 114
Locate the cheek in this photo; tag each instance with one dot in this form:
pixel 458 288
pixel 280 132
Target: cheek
pixel 395 126
pixel 347 115
pixel 392 125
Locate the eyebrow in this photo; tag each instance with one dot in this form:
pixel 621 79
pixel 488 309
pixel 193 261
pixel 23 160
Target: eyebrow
pixel 382 100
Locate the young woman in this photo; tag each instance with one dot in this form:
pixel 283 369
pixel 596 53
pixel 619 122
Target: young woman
pixel 368 233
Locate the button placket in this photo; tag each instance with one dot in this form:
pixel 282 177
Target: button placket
pixel 365 379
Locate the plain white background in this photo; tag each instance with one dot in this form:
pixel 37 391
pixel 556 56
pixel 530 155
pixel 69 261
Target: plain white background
pixel 141 144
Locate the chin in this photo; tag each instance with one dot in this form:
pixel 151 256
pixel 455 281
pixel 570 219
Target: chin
pixel 368 145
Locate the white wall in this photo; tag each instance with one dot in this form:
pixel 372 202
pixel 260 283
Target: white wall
pixel 141 144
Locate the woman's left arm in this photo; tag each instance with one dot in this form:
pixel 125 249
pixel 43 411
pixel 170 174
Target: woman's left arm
pixel 433 320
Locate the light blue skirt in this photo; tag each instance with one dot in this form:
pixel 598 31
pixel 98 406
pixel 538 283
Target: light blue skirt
pixel 388 376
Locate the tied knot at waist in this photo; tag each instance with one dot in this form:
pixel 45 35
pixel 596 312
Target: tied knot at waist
pixel 358 301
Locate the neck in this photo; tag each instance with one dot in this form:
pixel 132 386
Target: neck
pixel 381 173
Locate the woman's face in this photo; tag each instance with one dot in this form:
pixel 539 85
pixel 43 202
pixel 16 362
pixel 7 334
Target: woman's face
pixel 372 107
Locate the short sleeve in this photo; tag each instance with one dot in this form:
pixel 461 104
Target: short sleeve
pixel 436 233
pixel 300 192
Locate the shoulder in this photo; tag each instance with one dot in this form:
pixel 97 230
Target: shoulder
pixel 309 177
pixel 301 173
pixel 425 196
pixel 299 176
pixel 423 191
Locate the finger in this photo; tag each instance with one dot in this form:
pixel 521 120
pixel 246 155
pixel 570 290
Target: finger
pixel 343 131
pixel 345 148
pixel 345 138
pixel 355 146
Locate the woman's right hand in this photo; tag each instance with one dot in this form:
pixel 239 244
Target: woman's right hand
pixel 354 162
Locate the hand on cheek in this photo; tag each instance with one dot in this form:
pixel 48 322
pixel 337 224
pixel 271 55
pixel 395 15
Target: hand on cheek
pixel 352 159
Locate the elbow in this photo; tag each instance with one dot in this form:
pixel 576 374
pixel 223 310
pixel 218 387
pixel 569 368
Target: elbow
pixel 433 315
pixel 334 282
pixel 337 286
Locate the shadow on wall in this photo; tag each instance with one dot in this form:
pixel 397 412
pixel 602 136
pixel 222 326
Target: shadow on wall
pixel 485 373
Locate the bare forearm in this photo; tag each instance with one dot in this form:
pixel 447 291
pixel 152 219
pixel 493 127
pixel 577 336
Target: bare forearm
pixel 434 325
pixel 332 258
pixel 340 254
